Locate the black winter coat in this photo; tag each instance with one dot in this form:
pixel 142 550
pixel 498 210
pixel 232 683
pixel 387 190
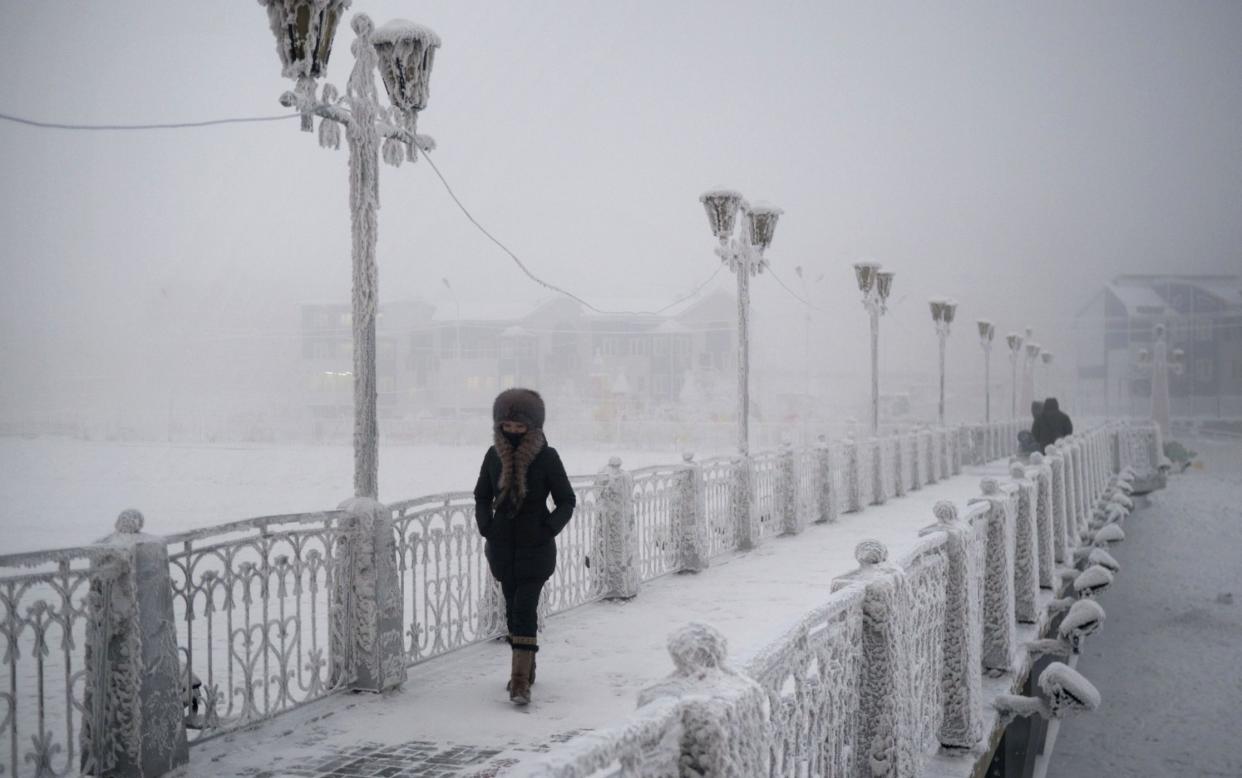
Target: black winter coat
pixel 1052 425
pixel 520 544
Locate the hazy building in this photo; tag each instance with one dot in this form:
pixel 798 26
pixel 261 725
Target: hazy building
pixel 1203 316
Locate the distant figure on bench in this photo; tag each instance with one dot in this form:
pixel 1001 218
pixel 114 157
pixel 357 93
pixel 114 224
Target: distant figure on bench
pixel 1052 425
pixel 1026 438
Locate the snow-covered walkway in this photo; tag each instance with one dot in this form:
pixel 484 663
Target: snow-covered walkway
pixel 453 718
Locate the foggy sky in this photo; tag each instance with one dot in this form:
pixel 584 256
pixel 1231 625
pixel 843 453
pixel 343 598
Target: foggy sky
pixel 1011 156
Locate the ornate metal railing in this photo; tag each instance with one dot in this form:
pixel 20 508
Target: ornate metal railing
pixel 810 676
pixel 262 617
pixel 718 493
pixel 579 575
pixel 765 483
pixel 444 580
pixel 924 609
pixel 657 513
pixel 53 617
pixel 807 477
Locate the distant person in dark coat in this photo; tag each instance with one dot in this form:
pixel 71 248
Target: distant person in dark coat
pixel 1052 425
pixel 1026 439
pixel 519 472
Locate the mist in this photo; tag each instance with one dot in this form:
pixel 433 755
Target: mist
pixel 1013 158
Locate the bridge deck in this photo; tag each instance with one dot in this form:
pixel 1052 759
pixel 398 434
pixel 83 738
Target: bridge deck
pixel 453 718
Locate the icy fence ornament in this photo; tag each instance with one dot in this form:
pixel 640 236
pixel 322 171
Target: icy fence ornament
pixel 621 552
pixel 961 723
pixel 902 641
pixel 692 530
pixel 1066 692
pixel 809 675
pixel 1044 521
pixel 1026 548
pixel 998 601
pixel 264 616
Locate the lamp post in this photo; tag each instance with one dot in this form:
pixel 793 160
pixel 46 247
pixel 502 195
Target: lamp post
pixel 1014 341
pixel 806 346
pixel 876 285
pixel 942 312
pixel 986 333
pixel 1046 358
pixel 457 352
pixel 1161 363
pixel 1032 351
pixel 403 52
pixel 743 254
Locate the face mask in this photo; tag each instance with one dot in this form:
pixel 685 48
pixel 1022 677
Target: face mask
pixel 514 438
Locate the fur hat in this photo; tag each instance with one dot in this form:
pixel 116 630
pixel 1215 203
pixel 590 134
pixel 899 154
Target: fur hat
pixel 521 405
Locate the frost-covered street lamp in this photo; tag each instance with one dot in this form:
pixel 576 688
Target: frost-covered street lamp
pixel 1045 357
pixel 1014 341
pixel 942 312
pixel 987 332
pixel 1161 363
pixel 403 52
pixel 876 285
pixel 743 254
pixel 1030 351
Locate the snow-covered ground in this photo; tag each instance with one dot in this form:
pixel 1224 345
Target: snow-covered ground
pixel 57 492
pixel 1167 659
pixel 593 661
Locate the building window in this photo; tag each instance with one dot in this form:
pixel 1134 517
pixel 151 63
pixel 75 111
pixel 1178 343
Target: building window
pixel 611 347
pixel 638 346
pixel 660 347
pixel 472 382
pixel 1203 330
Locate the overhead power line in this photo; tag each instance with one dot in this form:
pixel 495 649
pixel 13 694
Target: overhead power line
pixel 435 168
pixel 168 126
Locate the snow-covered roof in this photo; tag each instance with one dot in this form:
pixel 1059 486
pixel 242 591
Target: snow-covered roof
pixel 1138 299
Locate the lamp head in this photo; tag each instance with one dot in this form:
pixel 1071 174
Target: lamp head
pixel 950 311
pixel 1014 340
pixel 866 273
pixel 986 330
pixel 722 206
pixel 304 31
pixel 406 53
pixel 937 309
pixel 884 282
pixel 1046 357
pixel 761 220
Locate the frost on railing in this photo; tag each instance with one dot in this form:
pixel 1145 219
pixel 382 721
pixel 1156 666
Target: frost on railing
pixel 886 461
pixel 717 487
pixel 648 743
pixel 765 483
pixel 909 461
pixel 262 625
pixel 445 582
pixel 810 675
pixel 924 610
pixel 53 614
pixel 657 512
pixel 578 578
pixel 807 487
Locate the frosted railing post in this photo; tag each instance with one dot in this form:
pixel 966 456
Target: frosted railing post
pixel 724 727
pixel 1072 528
pixel 693 551
pixel 371 596
pixel 1084 497
pixel 853 480
pixel 792 521
pixel 899 481
pixel 827 489
pixel 930 472
pixel 1060 528
pixel 1026 549
pixel 944 436
pixel 956 445
pixel 918 475
pixel 133 709
pixel 998 608
pixel 1044 522
pixel 621 569
pixel 884 738
pixel 961 673
pixel 745 521
pixel 876 466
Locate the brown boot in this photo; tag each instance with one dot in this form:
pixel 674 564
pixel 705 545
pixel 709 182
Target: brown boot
pixel 519 679
pixel 509 684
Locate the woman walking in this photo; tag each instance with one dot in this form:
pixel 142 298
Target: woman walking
pixel 519 472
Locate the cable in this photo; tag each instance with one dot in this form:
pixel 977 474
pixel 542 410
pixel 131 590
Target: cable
pixel 792 293
pixel 171 126
pixel 540 281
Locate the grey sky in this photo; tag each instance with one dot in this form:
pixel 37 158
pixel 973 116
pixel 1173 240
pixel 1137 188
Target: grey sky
pixel 1010 155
